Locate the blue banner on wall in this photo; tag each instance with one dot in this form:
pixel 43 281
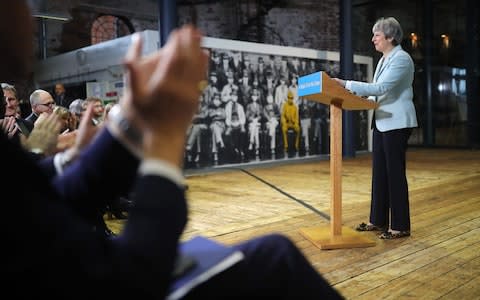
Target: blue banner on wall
pixel 310 84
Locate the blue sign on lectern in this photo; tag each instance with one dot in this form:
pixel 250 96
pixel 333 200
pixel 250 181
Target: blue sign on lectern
pixel 310 84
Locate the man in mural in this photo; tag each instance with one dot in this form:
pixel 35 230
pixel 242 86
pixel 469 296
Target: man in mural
pixel 245 87
pixel 235 121
pixel 212 88
pixel 321 123
pixel 254 117
pixel 228 87
pixel 216 114
pixel 194 134
pixel 271 114
pixel 305 114
pixel 282 91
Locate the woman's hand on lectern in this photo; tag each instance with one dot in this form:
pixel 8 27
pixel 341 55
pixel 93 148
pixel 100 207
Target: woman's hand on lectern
pixel 340 81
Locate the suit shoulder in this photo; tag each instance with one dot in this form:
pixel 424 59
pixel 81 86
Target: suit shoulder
pixel 404 59
pixel 404 55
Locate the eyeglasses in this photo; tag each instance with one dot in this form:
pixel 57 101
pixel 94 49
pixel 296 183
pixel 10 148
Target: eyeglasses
pixel 48 104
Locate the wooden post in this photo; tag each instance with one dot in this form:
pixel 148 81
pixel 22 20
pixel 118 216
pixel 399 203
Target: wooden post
pixel 336 236
pixel 336 169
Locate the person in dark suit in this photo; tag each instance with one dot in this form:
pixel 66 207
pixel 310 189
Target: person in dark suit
pixel 61 98
pixel 392 125
pixel 53 251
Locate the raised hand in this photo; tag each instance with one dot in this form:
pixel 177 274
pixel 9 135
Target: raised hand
pixel 82 136
pixel 44 135
pixel 9 126
pixel 86 130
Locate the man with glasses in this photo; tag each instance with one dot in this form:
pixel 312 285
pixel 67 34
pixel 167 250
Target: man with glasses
pixel 41 101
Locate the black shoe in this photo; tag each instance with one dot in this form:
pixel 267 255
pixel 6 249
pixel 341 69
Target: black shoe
pixel 388 235
pixel 369 227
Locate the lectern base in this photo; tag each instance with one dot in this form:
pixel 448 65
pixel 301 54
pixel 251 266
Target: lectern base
pixel 323 238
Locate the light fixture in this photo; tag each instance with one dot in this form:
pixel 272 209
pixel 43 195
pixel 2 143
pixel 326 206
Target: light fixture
pixel 445 41
pixel 51 17
pixel 414 39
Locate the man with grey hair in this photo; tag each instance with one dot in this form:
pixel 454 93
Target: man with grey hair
pixel 41 101
pixel 76 108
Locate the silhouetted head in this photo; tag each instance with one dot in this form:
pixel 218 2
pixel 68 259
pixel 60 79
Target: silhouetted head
pixel 16 40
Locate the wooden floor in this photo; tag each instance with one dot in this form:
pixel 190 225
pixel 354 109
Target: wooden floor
pixel 441 259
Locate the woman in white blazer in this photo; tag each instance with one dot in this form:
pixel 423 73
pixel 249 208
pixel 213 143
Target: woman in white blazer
pixel 392 125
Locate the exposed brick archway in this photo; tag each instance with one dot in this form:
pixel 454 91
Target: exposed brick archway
pixel 108 27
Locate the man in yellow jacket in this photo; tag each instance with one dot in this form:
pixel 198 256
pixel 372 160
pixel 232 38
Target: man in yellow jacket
pixel 289 120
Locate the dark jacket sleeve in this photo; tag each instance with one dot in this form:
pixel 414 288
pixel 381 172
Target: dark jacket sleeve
pixel 55 253
pixel 155 225
pixel 104 171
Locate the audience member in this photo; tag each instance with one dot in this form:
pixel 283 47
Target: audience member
pixel 76 109
pixel 61 98
pixel 61 258
pixel 12 109
pixel 40 101
pixel 65 119
pixel 98 109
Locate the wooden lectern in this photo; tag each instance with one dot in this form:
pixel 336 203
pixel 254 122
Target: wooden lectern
pixel 321 88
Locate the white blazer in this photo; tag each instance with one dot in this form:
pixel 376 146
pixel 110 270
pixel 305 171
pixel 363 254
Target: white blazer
pixel 392 89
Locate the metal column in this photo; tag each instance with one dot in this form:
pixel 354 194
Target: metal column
pixel 167 19
pixel 473 72
pixel 428 126
pixel 346 72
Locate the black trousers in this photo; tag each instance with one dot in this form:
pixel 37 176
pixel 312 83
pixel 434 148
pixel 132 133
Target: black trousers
pixel 389 180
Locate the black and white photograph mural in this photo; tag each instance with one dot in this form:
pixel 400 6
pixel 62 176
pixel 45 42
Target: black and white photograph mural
pixel 250 110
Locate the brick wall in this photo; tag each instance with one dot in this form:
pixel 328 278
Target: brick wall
pixel 302 23
pixel 298 23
